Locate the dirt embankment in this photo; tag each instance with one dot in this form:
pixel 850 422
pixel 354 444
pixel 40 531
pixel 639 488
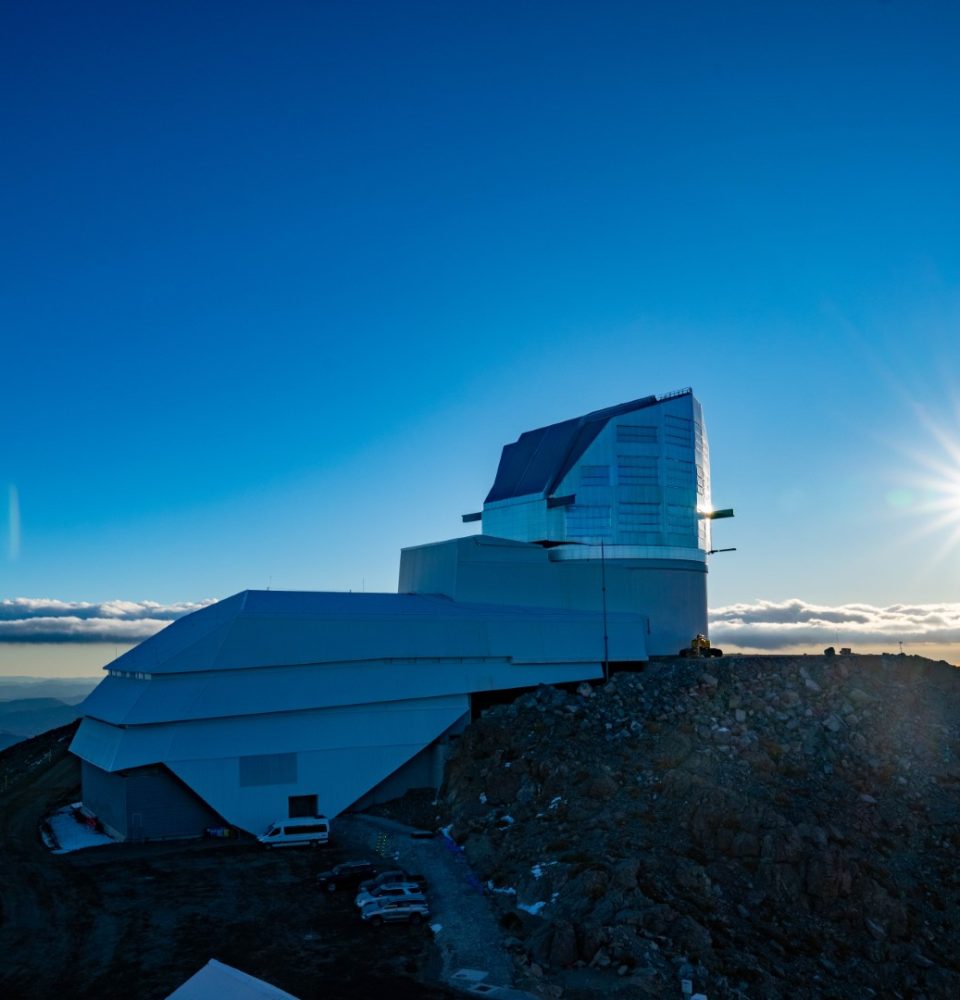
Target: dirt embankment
pixel 765 827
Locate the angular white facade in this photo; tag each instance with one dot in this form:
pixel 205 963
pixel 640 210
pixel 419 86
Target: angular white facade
pixel 635 477
pixel 671 594
pixel 269 697
pixel 620 495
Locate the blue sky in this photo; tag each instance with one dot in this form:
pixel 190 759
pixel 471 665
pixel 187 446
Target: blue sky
pixel 278 282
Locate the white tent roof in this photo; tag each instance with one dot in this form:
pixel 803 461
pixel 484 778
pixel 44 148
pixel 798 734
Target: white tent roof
pixel 216 981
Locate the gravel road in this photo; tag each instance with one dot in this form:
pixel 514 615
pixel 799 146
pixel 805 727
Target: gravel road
pixel 469 936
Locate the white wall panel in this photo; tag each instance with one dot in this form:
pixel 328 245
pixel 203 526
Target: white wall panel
pixel 356 752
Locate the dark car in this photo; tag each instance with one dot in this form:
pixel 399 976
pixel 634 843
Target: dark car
pixel 346 876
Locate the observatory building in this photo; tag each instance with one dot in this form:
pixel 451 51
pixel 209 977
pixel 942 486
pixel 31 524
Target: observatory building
pixel 271 704
pixel 612 508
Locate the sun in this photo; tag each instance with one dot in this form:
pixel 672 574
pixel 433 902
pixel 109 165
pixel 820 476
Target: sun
pixel 931 491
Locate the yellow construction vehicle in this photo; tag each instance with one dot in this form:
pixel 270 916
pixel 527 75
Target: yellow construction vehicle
pixel 699 648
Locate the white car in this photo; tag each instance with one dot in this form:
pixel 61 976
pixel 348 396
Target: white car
pixel 390 890
pixel 389 911
pixel 311 830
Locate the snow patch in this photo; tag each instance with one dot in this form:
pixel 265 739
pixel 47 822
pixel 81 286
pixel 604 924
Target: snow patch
pixel 506 890
pixel 533 908
pixel 436 928
pixel 537 870
pixel 73 830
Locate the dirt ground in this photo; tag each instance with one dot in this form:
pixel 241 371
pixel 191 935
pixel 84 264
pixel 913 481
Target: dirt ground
pixel 136 921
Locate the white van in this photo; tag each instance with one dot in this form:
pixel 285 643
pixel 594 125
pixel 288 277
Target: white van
pixel 311 830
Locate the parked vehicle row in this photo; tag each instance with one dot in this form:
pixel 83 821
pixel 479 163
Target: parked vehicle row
pixel 385 896
pixel 391 896
pixel 394 896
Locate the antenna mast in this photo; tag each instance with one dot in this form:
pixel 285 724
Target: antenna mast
pixel 603 597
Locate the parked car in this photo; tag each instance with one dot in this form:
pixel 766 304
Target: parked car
pixel 349 875
pixel 311 830
pixel 390 890
pixel 392 875
pixel 383 911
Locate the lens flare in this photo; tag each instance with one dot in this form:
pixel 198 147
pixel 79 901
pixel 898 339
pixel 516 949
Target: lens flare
pixel 932 495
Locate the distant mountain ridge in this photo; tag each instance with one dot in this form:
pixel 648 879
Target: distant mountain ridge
pixel 62 688
pixel 30 706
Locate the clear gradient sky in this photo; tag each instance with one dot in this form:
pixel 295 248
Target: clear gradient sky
pixel 278 281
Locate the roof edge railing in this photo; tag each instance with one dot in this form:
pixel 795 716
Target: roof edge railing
pixel 687 391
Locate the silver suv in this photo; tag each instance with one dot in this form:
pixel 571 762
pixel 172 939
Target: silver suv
pixel 389 910
pixel 390 890
pixel 392 875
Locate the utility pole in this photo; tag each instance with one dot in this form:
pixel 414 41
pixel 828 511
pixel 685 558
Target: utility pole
pixel 603 596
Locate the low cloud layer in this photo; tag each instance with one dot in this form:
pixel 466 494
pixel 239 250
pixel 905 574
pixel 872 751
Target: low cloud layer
pixel 781 625
pixel 27 619
pixel 766 625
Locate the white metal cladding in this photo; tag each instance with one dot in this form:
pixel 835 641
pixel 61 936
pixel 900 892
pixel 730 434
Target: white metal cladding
pixel 585 480
pixel 269 628
pixel 129 701
pixel 339 776
pixel 114 748
pixel 211 689
pixel 341 753
pixel 671 592
pixel 652 457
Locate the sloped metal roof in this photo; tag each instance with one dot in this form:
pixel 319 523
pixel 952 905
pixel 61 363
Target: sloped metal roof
pixel 258 628
pixel 216 980
pixel 538 460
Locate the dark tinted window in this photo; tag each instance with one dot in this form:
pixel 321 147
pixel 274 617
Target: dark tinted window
pixel 301 805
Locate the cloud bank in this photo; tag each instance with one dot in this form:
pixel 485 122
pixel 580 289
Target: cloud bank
pixel 763 625
pixel 28 619
pixel 780 625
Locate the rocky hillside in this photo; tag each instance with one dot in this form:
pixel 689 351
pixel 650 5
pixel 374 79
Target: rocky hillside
pixel 763 827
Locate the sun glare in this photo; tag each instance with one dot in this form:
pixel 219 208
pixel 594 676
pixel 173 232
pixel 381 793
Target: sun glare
pixel 931 491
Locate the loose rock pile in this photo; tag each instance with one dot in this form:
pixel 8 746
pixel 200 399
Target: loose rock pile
pixel 762 827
